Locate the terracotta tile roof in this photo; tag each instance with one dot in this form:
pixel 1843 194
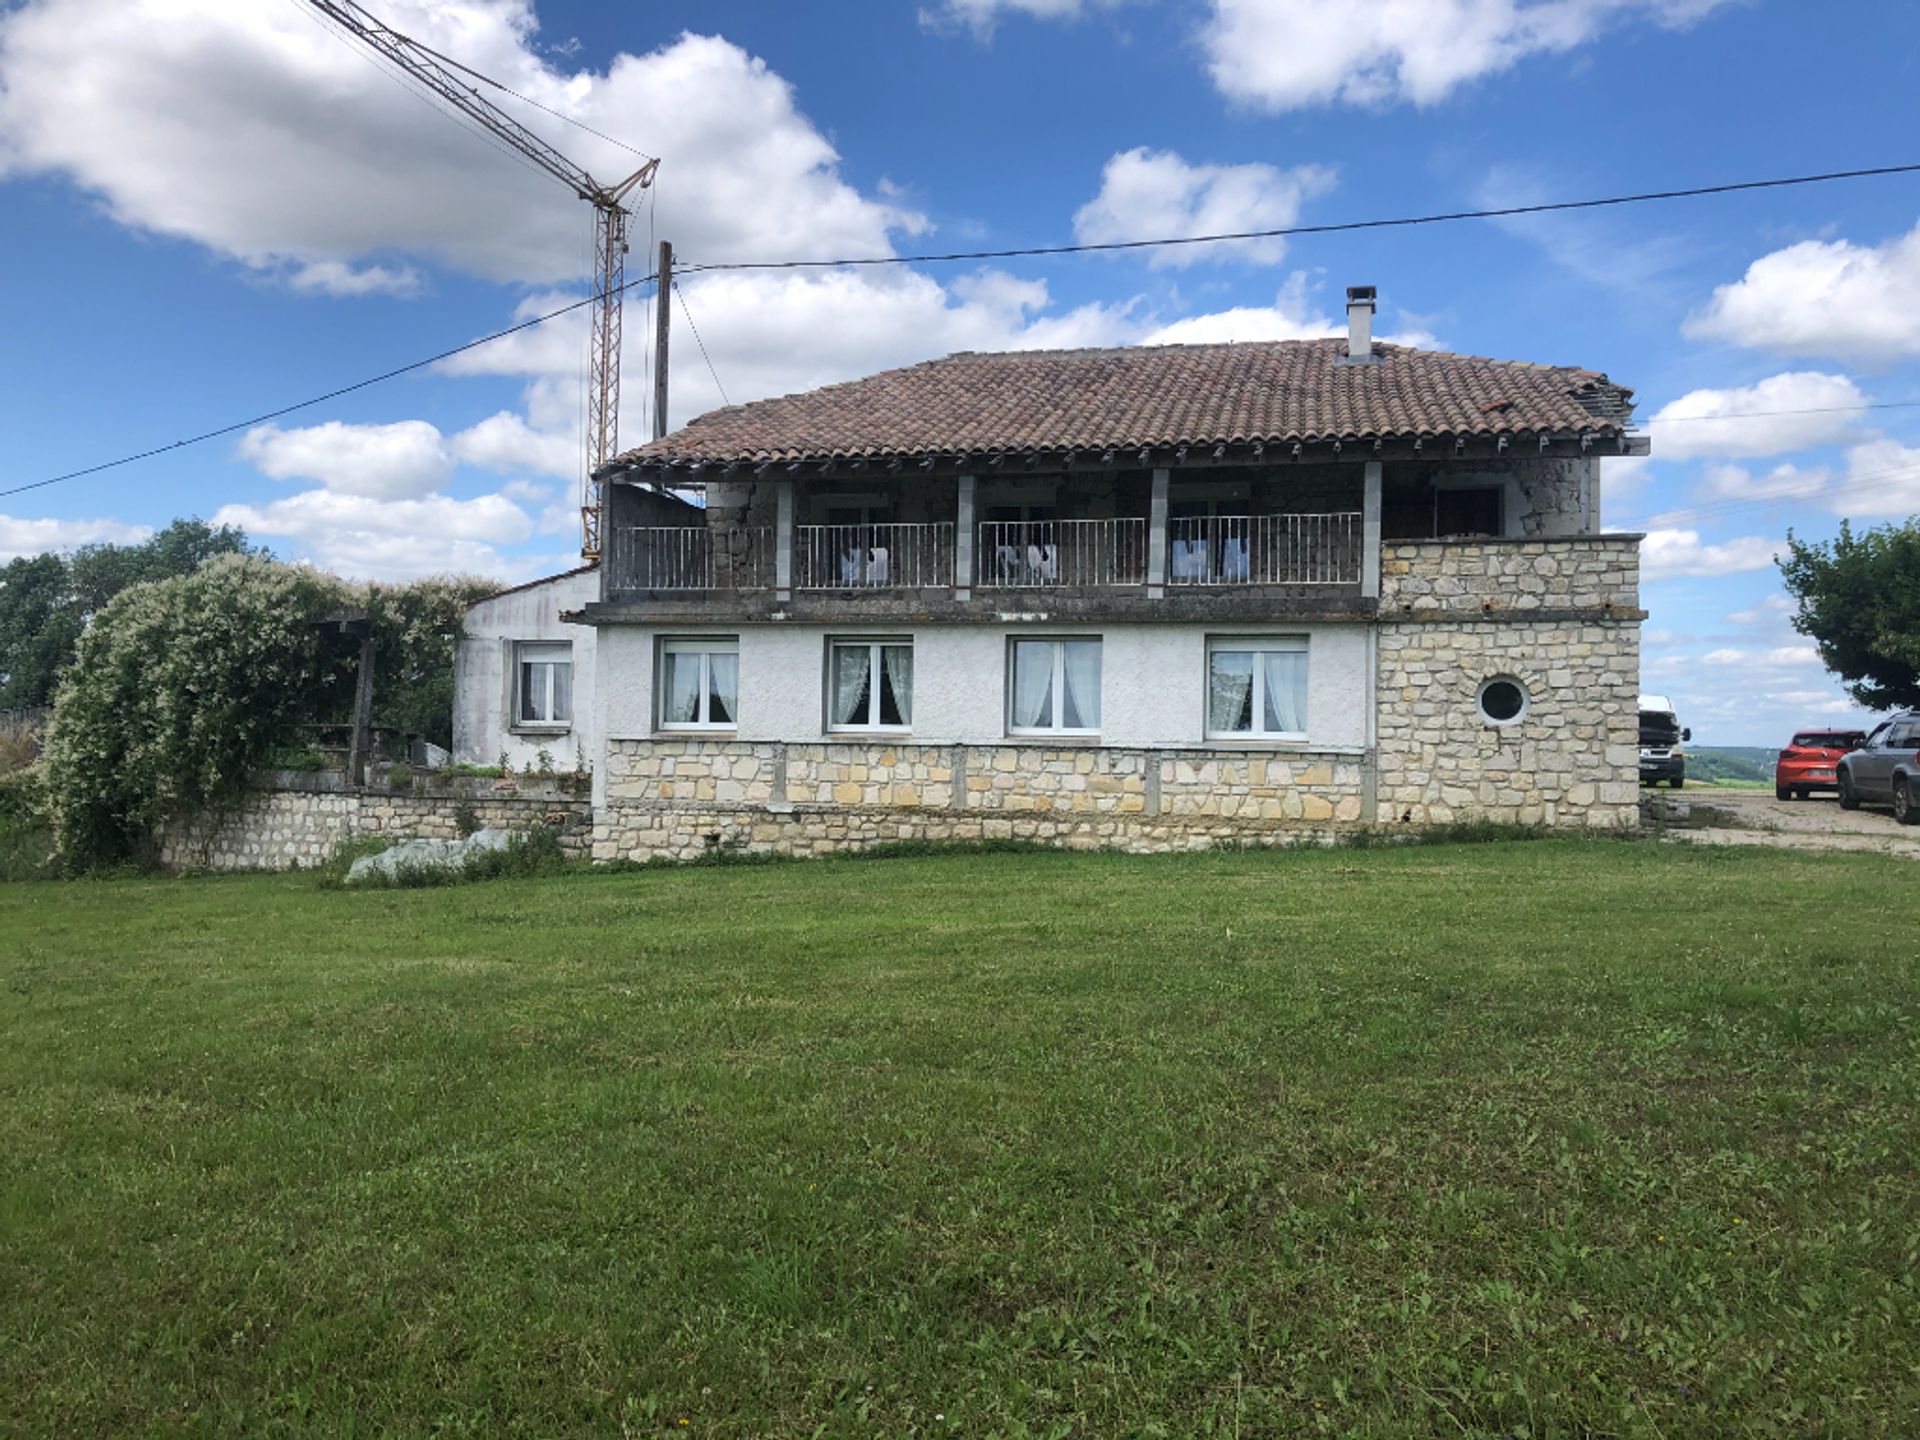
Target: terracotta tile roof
pixel 1165 395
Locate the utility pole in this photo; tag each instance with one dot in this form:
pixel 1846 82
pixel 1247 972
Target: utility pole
pixel 660 341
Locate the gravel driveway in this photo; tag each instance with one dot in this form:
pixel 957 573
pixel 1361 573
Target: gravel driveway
pixel 1755 817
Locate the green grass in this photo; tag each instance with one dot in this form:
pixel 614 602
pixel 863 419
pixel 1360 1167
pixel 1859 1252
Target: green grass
pixel 1546 1139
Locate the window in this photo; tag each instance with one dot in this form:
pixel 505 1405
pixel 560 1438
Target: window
pixel 1503 700
pixel 1056 687
pixel 1257 687
pixel 870 684
pixel 699 683
pixel 543 683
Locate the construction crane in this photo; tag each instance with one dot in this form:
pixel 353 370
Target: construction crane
pixel 458 86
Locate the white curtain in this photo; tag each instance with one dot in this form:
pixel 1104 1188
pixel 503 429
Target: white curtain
pixel 562 693
pixel 1230 692
pixel 1082 708
pixel 896 684
pixel 723 688
pixel 1033 684
pixel 682 704
pixel 850 666
pixel 1285 674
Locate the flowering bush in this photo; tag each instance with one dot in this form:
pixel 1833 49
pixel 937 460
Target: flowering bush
pixel 178 688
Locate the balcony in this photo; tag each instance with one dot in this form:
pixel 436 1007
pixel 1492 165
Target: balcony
pixel 873 557
pixel 1265 549
pixel 1048 554
pixel 1083 565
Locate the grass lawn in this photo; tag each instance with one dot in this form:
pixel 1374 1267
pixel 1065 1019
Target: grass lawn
pixel 1550 1139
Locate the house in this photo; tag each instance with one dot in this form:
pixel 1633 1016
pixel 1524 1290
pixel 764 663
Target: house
pixel 1153 597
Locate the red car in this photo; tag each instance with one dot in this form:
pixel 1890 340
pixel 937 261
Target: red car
pixel 1807 764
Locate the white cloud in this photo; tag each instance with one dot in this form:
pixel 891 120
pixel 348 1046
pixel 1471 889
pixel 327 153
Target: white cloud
pixel 1279 55
pixel 1670 554
pixel 20 537
pixel 506 443
pixel 253 130
pixel 1783 413
pixel 336 277
pixel 1769 611
pixel 388 462
pixel 1145 194
pixel 1823 297
pixel 1883 478
pixel 373 538
pixel 982 17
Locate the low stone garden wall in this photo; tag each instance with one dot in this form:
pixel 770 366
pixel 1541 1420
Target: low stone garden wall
pixel 295 819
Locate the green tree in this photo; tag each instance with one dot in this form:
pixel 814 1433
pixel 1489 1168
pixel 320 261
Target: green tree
pixel 1860 602
pixel 47 600
pixel 38 627
pixel 415 628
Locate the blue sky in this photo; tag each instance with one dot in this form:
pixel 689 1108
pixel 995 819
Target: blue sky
pixel 211 208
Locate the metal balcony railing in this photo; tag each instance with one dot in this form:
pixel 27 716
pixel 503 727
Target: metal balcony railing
pixel 873 557
pixel 1264 549
pixel 1043 554
pixel 694 557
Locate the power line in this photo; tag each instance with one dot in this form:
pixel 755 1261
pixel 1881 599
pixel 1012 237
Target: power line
pixel 1810 410
pixel 1335 228
pixel 334 394
pixel 1341 227
pixel 681 295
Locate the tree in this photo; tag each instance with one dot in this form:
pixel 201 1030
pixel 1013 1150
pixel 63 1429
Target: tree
pixel 415 628
pixel 47 600
pixel 1860 602
pixel 38 628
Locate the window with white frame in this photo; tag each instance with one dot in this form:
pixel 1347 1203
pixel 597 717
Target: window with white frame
pixel 870 684
pixel 1257 687
pixel 1055 687
pixel 699 683
pixel 543 684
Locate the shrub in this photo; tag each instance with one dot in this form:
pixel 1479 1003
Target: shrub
pixel 179 689
pixel 26 836
pixel 525 855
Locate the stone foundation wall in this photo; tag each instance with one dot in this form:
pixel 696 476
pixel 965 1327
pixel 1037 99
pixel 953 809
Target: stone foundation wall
pixel 674 797
pixel 295 820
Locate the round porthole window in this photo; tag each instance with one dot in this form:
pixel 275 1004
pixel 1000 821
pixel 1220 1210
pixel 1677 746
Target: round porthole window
pixel 1503 700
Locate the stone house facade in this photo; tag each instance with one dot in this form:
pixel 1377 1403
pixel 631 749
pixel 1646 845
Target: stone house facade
pixel 1148 598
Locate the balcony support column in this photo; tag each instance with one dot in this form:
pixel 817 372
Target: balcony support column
pixel 1370 533
pixel 783 540
pixel 963 536
pixel 1157 538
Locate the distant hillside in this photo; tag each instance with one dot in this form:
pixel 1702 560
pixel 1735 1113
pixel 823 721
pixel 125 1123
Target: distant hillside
pixel 1730 762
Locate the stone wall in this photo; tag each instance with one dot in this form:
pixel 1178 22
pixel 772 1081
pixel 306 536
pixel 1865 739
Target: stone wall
pixel 681 797
pixel 1455 615
pixel 295 819
pixel 1593 572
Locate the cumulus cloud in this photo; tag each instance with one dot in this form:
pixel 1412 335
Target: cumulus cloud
pixel 506 443
pixel 250 130
pixel 370 537
pixel 388 462
pixel 1671 554
pixel 1145 194
pixel 1277 55
pixel 1823 297
pixel 1775 416
pixel 20 537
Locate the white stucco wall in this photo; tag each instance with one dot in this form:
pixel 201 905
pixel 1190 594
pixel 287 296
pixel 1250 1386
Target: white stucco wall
pixel 1153 681
pixel 482 697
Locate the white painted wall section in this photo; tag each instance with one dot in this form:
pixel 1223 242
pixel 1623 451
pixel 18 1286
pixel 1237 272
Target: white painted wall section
pixel 1153 681
pixel 483 728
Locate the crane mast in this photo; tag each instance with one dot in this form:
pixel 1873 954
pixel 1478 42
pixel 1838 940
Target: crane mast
pixel 454 84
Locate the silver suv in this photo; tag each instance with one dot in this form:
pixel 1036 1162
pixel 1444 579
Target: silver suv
pixel 1885 770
